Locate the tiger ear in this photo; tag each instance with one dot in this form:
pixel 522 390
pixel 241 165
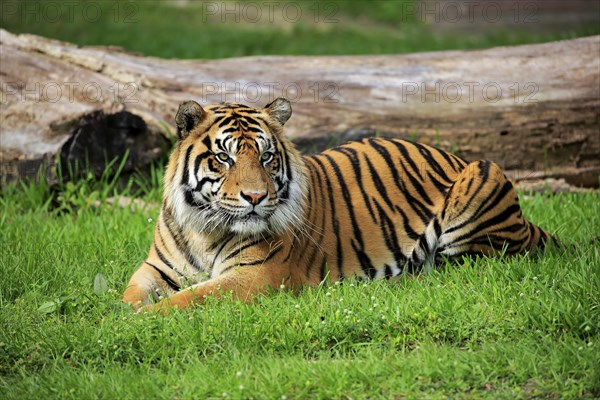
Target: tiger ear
pixel 280 110
pixel 189 115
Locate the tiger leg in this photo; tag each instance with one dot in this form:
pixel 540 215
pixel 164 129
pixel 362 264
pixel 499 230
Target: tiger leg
pixel 480 215
pixel 242 283
pixel 142 286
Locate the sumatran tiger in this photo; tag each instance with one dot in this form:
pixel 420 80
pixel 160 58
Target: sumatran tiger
pixel 243 212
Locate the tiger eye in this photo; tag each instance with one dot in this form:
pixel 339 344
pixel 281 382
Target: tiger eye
pixel 223 157
pixel 266 156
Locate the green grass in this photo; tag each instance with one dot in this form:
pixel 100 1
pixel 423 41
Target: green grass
pixel 345 27
pixel 487 328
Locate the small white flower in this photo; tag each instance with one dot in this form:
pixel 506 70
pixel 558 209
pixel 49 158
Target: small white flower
pixel 238 374
pixel 149 220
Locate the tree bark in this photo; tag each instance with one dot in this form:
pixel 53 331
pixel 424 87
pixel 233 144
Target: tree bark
pixel 534 109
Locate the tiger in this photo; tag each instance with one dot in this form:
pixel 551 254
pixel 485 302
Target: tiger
pixel 244 213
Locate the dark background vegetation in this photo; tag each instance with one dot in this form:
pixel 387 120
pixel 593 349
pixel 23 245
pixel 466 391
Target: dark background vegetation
pixel 216 29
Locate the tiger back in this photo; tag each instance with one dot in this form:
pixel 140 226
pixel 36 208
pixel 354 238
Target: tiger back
pixel 243 212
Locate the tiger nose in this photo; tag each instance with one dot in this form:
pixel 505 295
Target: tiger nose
pixel 253 197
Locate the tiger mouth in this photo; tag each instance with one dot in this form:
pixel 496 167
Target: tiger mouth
pixel 250 217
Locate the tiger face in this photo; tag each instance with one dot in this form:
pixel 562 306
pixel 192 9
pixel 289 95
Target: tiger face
pixel 234 171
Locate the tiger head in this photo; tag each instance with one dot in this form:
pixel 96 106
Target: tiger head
pixel 234 171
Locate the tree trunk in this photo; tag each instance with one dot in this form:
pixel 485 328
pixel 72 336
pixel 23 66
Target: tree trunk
pixel 534 109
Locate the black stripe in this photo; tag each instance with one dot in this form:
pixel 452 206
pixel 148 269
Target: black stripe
pixel 416 184
pixel 238 249
pixel 423 212
pixel 389 162
pixel 410 232
pixel 226 240
pixel 363 258
pixel 378 183
pixel 443 189
pixel 484 179
pixel 254 129
pixel 347 198
pixel 431 162
pixel 451 159
pixel 352 155
pixel 407 157
pixel 256 262
pixel 317 247
pixel 311 202
pixel 163 258
pixel 499 195
pixel 217 120
pixel 494 199
pixel 247 119
pixel 286 159
pixel 180 240
pixel 162 239
pixel 186 174
pixel 172 284
pixel 334 220
pixel 390 237
pixel 503 216
pixel 227 121
pixel 437 227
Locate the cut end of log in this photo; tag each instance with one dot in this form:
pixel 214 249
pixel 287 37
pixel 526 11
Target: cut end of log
pixel 95 142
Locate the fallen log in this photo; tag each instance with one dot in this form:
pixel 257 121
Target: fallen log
pixel 534 109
